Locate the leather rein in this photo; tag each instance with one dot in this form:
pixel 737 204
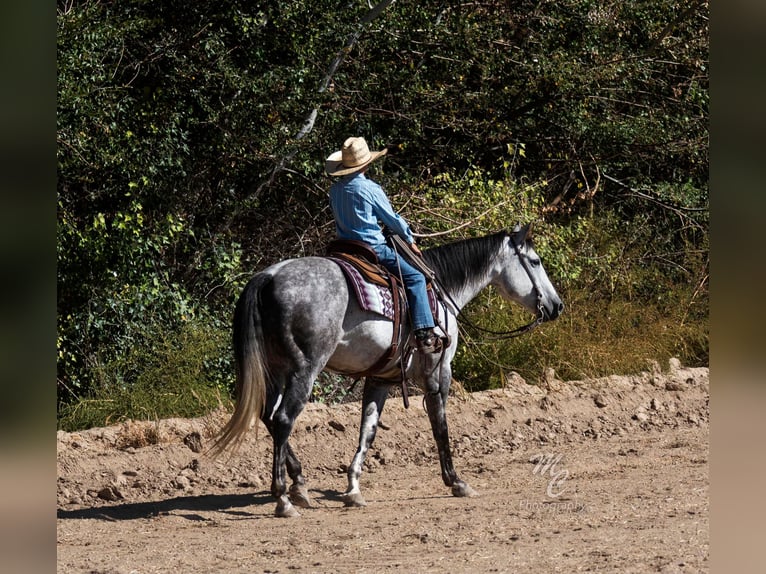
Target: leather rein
pixel 399 245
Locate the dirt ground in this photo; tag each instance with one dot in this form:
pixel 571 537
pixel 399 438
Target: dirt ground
pixel 605 475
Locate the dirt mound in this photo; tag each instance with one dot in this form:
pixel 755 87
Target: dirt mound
pixel 607 474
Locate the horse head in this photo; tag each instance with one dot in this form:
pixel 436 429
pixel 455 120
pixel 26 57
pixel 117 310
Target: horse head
pixel 523 278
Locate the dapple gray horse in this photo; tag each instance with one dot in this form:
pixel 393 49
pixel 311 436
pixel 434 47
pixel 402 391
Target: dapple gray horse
pixel 298 317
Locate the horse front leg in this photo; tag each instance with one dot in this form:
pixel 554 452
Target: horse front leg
pixel 373 399
pixel 436 403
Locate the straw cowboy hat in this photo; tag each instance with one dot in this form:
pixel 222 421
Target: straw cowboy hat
pixel 354 156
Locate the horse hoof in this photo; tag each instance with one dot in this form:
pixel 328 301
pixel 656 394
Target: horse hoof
pixel 354 499
pixel 299 496
pixel 286 510
pixel 461 489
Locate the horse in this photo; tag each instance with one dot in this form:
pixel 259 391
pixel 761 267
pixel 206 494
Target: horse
pixel 298 317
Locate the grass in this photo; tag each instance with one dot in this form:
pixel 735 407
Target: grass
pixel 592 338
pixel 171 376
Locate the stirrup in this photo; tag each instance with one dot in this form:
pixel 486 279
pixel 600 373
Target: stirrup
pixel 430 343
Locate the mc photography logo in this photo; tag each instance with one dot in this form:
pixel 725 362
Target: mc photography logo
pixel 550 467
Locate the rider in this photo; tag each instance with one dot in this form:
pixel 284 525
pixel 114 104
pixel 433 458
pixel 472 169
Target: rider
pixel 358 204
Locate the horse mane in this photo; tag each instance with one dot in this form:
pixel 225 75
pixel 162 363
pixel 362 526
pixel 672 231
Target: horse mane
pixel 456 264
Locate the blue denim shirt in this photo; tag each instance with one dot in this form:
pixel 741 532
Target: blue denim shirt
pixel 359 204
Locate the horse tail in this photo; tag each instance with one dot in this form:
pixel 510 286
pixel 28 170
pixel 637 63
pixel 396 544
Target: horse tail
pixel 251 370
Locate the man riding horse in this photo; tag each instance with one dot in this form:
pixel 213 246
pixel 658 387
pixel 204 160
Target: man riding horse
pixel 299 317
pixel 358 205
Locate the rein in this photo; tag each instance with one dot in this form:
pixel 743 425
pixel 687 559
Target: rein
pixel 400 245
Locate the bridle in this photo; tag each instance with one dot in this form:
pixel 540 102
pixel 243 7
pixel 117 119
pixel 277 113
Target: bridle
pixel 500 335
pixel 400 246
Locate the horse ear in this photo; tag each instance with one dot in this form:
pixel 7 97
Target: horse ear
pixel 521 234
pixel 528 231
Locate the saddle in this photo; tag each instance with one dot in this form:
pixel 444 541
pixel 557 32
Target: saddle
pixel 363 258
pixel 357 256
pixel 362 269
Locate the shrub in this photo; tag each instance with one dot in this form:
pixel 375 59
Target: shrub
pixel 167 373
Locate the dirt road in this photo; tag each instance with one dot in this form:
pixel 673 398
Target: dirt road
pixel 606 475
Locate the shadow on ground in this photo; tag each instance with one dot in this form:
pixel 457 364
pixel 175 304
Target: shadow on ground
pixel 136 510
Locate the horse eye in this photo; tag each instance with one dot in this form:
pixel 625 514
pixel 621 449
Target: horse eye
pixel 534 262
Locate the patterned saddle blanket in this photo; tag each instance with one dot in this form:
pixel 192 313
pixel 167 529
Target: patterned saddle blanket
pixel 371 293
pixel 372 297
pixel 372 285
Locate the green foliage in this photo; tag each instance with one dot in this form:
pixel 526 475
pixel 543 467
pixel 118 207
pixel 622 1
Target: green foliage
pixel 180 169
pixel 168 373
pixel 472 203
pixel 579 82
pixel 628 301
pixel 330 388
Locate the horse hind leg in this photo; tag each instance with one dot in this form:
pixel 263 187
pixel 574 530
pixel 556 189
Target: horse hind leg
pixel 373 399
pixel 283 412
pixel 298 493
pixel 284 508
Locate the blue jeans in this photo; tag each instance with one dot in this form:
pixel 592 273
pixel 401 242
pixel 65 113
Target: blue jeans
pixel 414 285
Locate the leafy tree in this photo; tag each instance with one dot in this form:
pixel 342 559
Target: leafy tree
pixel 192 136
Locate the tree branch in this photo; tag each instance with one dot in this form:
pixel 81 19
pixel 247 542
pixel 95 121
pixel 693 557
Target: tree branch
pixel 308 124
pixel 462 225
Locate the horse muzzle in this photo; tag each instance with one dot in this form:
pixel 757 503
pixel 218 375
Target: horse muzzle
pixel 553 311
